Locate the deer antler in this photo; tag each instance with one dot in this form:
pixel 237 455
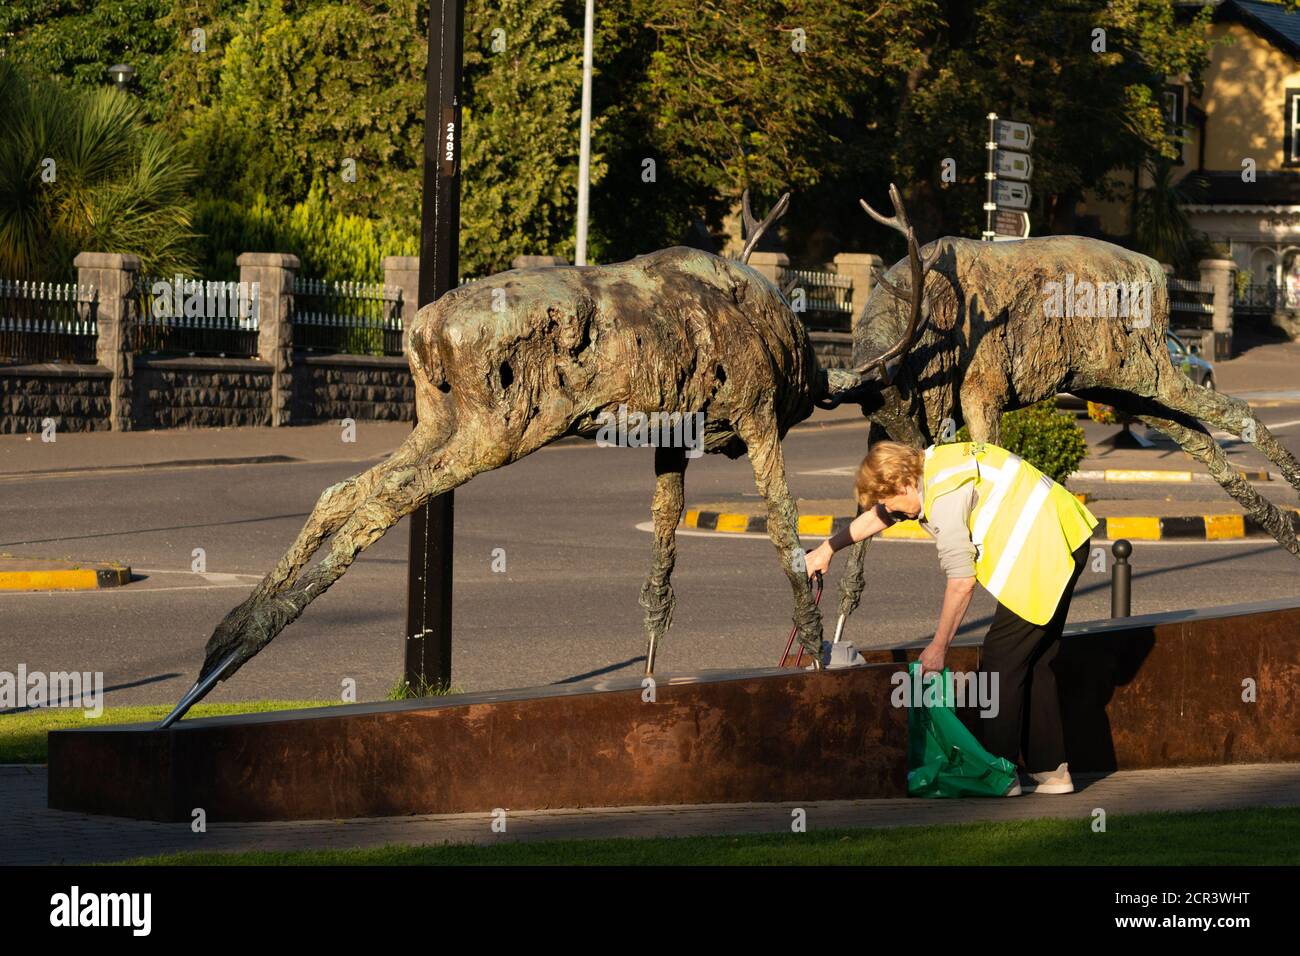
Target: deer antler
pixel 920 267
pixel 753 229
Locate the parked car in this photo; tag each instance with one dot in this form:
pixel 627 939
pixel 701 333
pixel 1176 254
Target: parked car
pixel 1185 359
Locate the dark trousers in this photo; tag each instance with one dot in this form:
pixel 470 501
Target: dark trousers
pixel 1029 709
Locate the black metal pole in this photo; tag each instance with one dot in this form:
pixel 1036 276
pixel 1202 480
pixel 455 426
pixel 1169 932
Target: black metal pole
pixel 990 177
pixel 428 596
pixel 1121 579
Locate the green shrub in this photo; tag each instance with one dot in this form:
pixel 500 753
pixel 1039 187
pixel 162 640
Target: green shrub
pixel 330 244
pixel 1049 440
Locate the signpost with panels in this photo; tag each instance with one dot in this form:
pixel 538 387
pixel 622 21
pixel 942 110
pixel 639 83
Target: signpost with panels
pixel 1010 167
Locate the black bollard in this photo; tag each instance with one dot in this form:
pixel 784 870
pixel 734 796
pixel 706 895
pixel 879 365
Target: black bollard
pixel 1121 579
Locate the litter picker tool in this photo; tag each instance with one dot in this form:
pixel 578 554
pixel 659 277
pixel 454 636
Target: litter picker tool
pixel 817 599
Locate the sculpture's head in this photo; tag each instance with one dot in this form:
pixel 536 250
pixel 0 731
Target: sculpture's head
pixel 887 329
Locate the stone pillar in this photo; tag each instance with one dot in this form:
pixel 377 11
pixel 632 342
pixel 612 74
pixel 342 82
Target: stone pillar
pixel 403 272
pixel 1217 273
pixel 769 265
pixel 528 262
pixel 861 268
pixel 113 276
pixel 273 274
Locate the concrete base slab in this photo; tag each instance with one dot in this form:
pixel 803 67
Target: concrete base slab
pixel 1154 691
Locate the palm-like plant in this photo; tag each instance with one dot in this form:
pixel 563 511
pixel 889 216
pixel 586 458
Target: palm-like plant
pixel 1162 228
pixel 115 185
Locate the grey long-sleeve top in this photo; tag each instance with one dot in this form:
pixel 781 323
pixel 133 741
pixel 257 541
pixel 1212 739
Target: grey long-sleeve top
pixel 949 524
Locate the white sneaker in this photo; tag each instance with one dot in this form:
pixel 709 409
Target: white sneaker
pixel 1052 781
pixel 1014 789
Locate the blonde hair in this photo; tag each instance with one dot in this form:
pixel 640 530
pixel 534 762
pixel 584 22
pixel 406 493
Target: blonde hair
pixel 889 468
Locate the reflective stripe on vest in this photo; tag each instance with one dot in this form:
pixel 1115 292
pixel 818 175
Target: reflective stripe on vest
pixel 1016 543
pixel 1002 479
pixel 1024 525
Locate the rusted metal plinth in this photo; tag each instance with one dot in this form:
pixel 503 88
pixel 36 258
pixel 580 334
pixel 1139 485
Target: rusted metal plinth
pixel 1153 691
pixel 1168 690
pixel 720 737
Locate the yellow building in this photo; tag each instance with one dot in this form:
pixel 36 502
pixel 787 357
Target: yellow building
pixel 1244 139
pixel 1241 154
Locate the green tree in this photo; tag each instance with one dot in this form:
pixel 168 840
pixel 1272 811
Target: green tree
pixel 342 87
pixel 1086 73
pixel 523 76
pixel 328 93
pixel 728 94
pixel 79 39
pixel 80 171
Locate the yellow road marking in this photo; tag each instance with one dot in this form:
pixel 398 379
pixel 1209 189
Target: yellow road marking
pixel 732 523
pixel 815 525
pixel 1224 526
pixel 905 529
pixel 1121 474
pixel 1143 529
pixel 48 580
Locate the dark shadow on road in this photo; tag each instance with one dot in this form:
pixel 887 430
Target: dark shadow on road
pixel 176 527
pixel 68 702
pixel 604 670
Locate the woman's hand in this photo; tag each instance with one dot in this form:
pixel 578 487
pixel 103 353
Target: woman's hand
pixel 932 657
pixel 819 558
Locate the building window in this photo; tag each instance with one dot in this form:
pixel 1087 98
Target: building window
pixel 1172 103
pixel 1291 148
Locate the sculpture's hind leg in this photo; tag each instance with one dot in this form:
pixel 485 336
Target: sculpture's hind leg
pixel 1194 439
pixel 852 581
pixel 760 436
pixel 853 578
pixel 657 593
pixel 1231 414
pixel 1198 443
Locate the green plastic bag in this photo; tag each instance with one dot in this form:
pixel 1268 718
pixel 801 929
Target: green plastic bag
pixel 943 758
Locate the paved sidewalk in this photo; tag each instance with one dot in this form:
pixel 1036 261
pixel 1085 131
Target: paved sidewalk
pixel 32 834
pixel 1263 366
pixel 82 452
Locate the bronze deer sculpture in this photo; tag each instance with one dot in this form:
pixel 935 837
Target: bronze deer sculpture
pixel 965 330
pixel 679 331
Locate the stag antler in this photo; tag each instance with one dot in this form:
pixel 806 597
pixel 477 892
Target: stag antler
pixel 754 229
pixel 920 267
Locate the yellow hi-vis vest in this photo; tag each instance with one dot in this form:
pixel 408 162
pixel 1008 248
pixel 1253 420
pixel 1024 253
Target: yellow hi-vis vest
pixel 1024 525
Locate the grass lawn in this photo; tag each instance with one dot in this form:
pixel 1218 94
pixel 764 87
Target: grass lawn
pixel 22 736
pixel 1220 838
